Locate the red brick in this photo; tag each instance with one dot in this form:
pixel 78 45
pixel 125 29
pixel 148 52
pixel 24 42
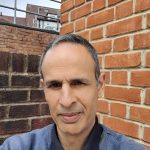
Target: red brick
pixel 112 2
pixel 96 33
pixel 131 95
pixel 103 46
pixel 127 128
pixel 17 126
pixel 121 44
pixel 119 77
pixel 147 97
pixel 64 18
pixel 124 10
pixel 25 81
pixel 123 60
pixel 5 57
pixel 13 96
pixel 147 59
pixel 41 122
pixel 18 62
pixel 80 24
pixel 85 34
pixel 142 5
pixel 102 106
pixel 142 40
pixel 98 4
pixel 45 109
pixel 118 110
pixel 4 80
pixel 146 137
pixel 23 48
pixel 140 78
pixel 100 58
pixel 37 96
pixel 79 2
pixel 125 26
pixel 22 111
pixel 66 6
pixel 68 28
pixel 148 20
pixel 140 114
pixel 107 77
pixel 81 11
pixel 3 112
pixel 28 41
pixel 100 18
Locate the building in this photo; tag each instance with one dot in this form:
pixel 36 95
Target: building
pixel 49 18
pixel 37 17
pixel 10 19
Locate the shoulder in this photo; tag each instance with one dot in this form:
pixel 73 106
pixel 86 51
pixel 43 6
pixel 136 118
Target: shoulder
pixel 30 140
pixel 116 141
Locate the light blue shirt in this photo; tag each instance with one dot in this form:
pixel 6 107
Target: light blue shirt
pixel 100 138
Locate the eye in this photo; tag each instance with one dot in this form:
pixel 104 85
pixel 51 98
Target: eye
pixel 76 83
pixel 55 85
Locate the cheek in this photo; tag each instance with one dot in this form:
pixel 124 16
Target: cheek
pixel 51 99
pixel 89 100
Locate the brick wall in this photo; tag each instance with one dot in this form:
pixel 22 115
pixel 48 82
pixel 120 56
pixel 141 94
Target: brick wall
pixel 23 40
pixel 22 103
pixel 119 30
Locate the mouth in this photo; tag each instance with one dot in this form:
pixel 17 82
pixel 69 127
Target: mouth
pixel 70 118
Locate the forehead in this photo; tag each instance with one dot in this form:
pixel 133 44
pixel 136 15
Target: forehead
pixel 66 56
pixel 69 48
pixel 69 51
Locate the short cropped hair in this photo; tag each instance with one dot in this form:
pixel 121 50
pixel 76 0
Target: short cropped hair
pixel 75 39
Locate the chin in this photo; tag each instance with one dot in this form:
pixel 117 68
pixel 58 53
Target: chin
pixel 72 129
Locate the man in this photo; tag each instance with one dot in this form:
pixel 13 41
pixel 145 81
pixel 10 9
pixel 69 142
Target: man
pixel 72 82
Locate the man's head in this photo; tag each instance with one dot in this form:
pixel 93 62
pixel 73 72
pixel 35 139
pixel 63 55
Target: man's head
pixel 75 39
pixel 70 84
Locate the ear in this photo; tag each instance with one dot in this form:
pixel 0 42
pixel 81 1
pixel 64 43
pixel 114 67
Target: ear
pixel 42 83
pixel 101 84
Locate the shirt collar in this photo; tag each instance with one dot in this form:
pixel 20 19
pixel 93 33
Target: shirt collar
pixel 92 141
pixel 94 138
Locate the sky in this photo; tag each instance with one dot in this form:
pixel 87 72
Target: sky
pixel 21 4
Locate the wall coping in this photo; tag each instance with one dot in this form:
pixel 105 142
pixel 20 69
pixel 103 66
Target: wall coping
pixel 29 28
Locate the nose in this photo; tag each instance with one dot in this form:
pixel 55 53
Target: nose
pixel 66 96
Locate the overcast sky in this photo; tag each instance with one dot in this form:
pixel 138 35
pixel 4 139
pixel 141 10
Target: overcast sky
pixel 21 4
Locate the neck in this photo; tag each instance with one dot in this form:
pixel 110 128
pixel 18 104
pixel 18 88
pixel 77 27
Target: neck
pixel 74 141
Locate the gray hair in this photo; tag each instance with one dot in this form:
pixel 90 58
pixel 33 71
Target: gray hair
pixel 76 39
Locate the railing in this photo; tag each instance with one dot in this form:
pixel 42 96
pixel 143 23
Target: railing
pixel 55 1
pixel 48 18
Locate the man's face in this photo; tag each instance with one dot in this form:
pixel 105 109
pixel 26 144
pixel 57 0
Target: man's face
pixel 70 87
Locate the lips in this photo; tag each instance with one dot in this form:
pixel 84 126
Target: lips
pixel 70 117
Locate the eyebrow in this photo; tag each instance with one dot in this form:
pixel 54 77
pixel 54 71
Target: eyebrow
pixel 70 80
pixel 79 79
pixel 52 81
